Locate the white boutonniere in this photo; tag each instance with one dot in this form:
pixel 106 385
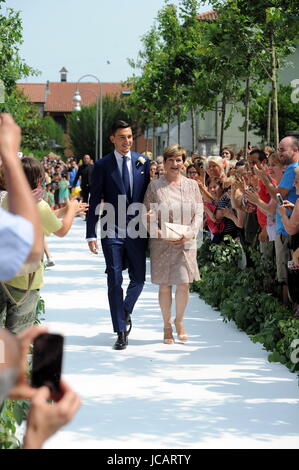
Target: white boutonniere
pixel 140 161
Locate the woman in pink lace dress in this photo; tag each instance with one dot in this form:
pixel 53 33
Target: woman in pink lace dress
pixel 176 199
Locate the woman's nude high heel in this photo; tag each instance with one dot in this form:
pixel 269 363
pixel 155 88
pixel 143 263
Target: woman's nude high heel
pixel 168 337
pixel 181 332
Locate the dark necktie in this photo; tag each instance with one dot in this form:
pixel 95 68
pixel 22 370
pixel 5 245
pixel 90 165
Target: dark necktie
pixel 126 178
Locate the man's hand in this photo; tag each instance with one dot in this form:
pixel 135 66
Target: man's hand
pixel 10 139
pixel 45 419
pixel 22 389
pixel 93 246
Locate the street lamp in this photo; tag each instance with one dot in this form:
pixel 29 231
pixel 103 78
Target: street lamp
pixel 77 99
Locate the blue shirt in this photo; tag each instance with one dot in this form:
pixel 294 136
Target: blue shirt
pixel 72 174
pixel 287 182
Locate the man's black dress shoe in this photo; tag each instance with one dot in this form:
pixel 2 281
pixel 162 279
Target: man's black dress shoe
pixel 121 342
pixel 129 322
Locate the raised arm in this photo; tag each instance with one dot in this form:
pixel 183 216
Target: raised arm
pixel 20 199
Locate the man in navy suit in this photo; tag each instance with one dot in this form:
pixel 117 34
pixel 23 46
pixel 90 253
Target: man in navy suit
pixel 120 179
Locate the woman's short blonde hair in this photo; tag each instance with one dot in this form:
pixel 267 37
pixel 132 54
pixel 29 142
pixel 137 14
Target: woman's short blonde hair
pixel 212 159
pixel 175 151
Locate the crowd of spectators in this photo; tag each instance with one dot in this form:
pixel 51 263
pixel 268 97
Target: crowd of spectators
pixel 241 199
pixel 252 196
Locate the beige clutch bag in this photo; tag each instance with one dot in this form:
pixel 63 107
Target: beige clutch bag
pixel 174 232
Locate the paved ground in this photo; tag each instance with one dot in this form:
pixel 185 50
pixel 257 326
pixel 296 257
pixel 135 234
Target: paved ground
pixel 216 391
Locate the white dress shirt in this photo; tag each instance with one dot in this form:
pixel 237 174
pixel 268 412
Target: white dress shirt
pixel 119 159
pixel 16 239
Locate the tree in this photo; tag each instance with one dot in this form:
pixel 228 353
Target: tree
pixel 151 100
pixel 81 125
pixel 26 115
pixel 288 112
pixel 276 25
pixel 53 131
pixel 12 67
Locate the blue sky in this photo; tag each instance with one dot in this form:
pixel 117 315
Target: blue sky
pixel 82 35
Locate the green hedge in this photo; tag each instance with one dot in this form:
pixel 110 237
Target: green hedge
pixel 247 296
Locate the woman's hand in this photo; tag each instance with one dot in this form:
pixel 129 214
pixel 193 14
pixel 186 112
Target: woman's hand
pixel 287 205
pixel 228 213
pixel 78 206
pixel 252 196
pixel 179 242
pixel 260 173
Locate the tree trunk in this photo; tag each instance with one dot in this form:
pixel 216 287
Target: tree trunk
pixel 154 139
pixel 179 129
pixel 146 139
pixel 268 136
pixel 216 123
pixel 223 111
pixel 274 93
pixel 193 126
pixel 168 132
pixel 246 120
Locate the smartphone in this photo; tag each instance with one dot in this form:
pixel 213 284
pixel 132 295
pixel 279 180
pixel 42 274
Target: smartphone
pixel 279 198
pixel 47 361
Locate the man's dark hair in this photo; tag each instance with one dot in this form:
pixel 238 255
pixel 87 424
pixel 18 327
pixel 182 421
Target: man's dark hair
pixel 261 154
pixel 240 163
pixel 119 125
pixel 33 170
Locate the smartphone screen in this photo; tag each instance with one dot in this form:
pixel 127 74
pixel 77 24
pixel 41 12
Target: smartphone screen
pixel 47 361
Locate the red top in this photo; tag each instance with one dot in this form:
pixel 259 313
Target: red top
pixel 265 197
pixel 214 227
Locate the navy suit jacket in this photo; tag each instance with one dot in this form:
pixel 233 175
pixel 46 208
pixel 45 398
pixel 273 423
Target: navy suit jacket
pixel 107 184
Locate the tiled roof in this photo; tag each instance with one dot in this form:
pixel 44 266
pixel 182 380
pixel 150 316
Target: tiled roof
pixel 34 91
pixel 210 15
pixel 60 94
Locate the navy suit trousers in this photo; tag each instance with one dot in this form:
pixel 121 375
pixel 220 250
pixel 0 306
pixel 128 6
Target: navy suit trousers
pixel 119 252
